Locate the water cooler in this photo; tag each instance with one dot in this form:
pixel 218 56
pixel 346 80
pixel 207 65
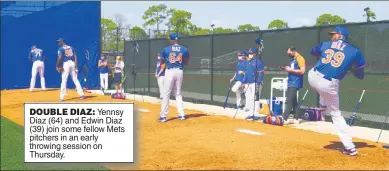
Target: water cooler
pixel 278 103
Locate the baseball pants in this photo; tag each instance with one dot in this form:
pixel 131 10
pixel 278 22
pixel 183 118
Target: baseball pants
pixel 291 98
pixel 236 88
pixel 160 80
pixel 328 90
pixel 69 68
pixel 252 98
pixel 173 80
pixel 104 81
pixel 37 67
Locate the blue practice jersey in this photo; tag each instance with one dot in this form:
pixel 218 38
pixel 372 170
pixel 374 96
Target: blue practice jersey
pixel 174 56
pixel 252 67
pixel 336 58
pixel 240 66
pixel 67 53
pixel 36 55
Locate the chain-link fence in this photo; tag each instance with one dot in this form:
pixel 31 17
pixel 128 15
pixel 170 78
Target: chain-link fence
pixel 213 60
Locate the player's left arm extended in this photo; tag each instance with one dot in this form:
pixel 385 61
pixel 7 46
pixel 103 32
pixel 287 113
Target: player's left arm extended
pixel 187 58
pixel 359 65
pixel 301 64
pixel 30 56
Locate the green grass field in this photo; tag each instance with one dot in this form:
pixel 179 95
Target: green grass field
pixel 375 101
pixel 12 152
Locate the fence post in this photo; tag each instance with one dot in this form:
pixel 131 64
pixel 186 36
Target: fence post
pixel 212 79
pixel 318 42
pixel 149 69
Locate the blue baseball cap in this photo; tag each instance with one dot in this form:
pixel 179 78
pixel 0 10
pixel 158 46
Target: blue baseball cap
pixel 258 41
pixel 33 46
pixel 340 30
pixel 173 36
pixel 242 53
pixel 252 50
pixel 60 40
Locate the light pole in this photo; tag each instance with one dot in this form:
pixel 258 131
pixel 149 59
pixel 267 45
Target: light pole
pixel 213 30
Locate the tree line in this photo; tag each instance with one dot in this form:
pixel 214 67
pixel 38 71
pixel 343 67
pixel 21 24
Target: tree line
pixel 114 31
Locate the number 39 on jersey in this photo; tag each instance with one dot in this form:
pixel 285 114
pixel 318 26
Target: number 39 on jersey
pixel 332 57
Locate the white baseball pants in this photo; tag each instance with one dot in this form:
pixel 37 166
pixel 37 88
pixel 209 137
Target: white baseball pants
pixel 328 91
pixel 104 81
pixel 252 104
pixel 37 66
pixel 160 81
pixel 236 89
pixel 69 68
pixel 173 79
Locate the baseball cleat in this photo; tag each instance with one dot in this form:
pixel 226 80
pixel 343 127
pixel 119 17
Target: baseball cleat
pixel 351 152
pixel 289 121
pixel 297 121
pixel 162 119
pixel 252 118
pixel 82 97
pixel 181 118
pixel 61 100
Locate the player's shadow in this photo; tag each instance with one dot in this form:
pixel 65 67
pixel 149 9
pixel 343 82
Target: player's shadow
pixel 52 89
pixel 189 116
pixel 336 145
pixel 85 97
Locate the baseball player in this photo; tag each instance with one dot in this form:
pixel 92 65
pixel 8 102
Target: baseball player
pixel 67 64
pixel 175 57
pixel 238 78
pixel 253 84
pixel 160 74
pixel 337 57
pixel 296 70
pixel 103 65
pixel 37 57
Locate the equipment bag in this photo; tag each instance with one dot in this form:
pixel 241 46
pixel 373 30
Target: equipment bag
pixel 274 120
pixel 118 96
pixel 313 114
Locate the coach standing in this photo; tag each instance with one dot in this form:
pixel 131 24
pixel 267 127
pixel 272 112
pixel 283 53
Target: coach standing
pixel 103 62
pixel 296 70
pixel 117 77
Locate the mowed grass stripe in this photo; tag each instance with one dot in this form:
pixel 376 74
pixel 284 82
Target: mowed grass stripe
pixel 12 152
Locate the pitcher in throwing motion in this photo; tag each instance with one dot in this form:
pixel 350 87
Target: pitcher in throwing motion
pixel 37 57
pixel 337 57
pixel 67 64
pixel 175 57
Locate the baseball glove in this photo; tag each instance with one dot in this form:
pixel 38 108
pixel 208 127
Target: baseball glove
pixel 59 69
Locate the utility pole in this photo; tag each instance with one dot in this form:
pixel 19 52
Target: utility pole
pixel 213 30
pixel 117 41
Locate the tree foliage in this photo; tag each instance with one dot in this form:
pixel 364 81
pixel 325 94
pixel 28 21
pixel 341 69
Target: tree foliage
pixel 137 33
pixel 370 15
pixel 328 19
pixel 155 15
pixel 220 30
pixel 277 24
pixel 180 21
pixel 247 27
pixel 108 33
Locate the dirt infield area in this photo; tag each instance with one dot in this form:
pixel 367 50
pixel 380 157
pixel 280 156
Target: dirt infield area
pixel 213 142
